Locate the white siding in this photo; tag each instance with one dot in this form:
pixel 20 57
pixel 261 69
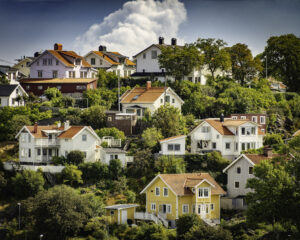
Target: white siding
pixel 164 146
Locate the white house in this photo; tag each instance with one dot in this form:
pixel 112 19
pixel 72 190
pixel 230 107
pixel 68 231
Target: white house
pixel 173 145
pixel 147 65
pixel 108 154
pixel 229 137
pixel 23 65
pixel 61 64
pixel 38 144
pixel 111 61
pixel 238 172
pixel 12 95
pixel 138 99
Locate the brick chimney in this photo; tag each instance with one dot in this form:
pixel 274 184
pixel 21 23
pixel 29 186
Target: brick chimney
pixel 222 117
pixel 268 151
pixel 58 47
pixel 35 127
pixel 148 86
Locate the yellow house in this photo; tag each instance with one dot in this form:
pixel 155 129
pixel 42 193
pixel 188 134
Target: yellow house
pixel 121 213
pixel 169 196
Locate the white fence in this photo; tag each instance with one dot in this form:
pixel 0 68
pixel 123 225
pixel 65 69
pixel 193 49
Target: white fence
pixel 112 142
pixel 10 166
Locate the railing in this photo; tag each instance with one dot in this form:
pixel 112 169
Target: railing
pixel 112 142
pixel 151 217
pixel 129 159
pixel 162 217
pixel 47 142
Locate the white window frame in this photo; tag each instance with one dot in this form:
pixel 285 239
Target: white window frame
pixel 212 207
pixel 243 117
pixel 234 117
pixel 262 118
pixel 227 148
pixel 84 137
pixel 157 188
pixel 254 119
pixel 169 208
pixel 183 207
pixel 203 190
pixel 153 206
pixel 165 195
pixel 235 185
pixel 238 167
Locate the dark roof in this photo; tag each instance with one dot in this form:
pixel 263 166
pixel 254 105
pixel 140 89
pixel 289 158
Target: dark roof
pixel 7 89
pixel 148 74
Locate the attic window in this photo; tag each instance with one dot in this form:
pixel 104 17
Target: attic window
pixel 78 61
pixel 135 97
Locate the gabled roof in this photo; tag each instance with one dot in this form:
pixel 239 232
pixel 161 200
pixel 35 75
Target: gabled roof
pixel 113 57
pixel 144 95
pixel 57 80
pixel 121 206
pixel 159 46
pixel 180 183
pixel 172 138
pixel 7 89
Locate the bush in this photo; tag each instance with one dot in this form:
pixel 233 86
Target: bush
pixel 113 132
pixel 71 175
pixel 93 172
pixel 75 157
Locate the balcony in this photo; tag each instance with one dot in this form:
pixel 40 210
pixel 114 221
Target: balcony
pixel 46 142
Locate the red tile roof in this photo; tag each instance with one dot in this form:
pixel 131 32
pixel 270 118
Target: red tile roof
pixel 142 95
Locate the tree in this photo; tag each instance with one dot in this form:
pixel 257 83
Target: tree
pixel 115 169
pixel 71 175
pixel 16 123
pixel 205 232
pixel 153 232
pixel 75 157
pixel 282 54
pixel 93 172
pixel 3 182
pixel 52 93
pixel 274 140
pixel 113 132
pixel 97 227
pixel 3 79
pixel 169 121
pixel 27 183
pixel 94 116
pixel 58 212
pixel 151 136
pixel 101 96
pixel 244 66
pixel 170 164
pixel 180 61
pixel 273 189
pixel 185 223
pixel 107 79
pixel 215 55
pixel 142 165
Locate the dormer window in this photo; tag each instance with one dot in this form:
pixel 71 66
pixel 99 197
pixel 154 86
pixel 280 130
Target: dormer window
pixel 203 192
pixel 45 61
pixel 93 61
pixel 78 61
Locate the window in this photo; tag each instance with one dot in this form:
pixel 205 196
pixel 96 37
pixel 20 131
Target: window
pixel 173 147
pixel 166 192
pixel 22 152
pixel 144 55
pixel 71 74
pixel 17 91
pixel 29 153
pixel 238 170
pixel 227 145
pixel 248 131
pixel 194 208
pixel 57 62
pixel 243 131
pixel 185 208
pixel 218 136
pixel 39 152
pixel 54 74
pixel 78 61
pixel 66 153
pixel 93 61
pixel 234 117
pixel 37 63
pixel 212 207
pixel 161 100
pixel 84 137
pixel 112 213
pixel 248 145
pixel 40 87
pixel 173 100
pixel 58 87
pixel 129 72
pixel 250 170
pixel 153 206
pixel 157 193
pixel 170 147
pixel 101 61
pixel 153 54
pixel 262 119
pixel 49 61
pixel 109 119
pixel 254 119
pixel 80 87
pixel 111 157
pixel 50 152
pixel 40 73
pixel 243 117
pixel 252 145
pixel 236 184
pixel 243 146
pixel 205 129
pixel 168 99
pixel 203 193
pixel 214 145
pixel 253 130
pixel 177 147
pixel 84 154
pixel 45 61
pixel 169 208
pixel 83 74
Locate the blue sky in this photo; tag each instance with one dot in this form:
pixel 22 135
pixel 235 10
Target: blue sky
pixel 33 25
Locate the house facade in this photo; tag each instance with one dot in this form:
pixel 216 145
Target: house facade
pixel 238 172
pixel 38 144
pixel 125 122
pixel 12 95
pixel 259 118
pixel 147 65
pixel 138 99
pixel 121 213
pixel 114 62
pixel 173 145
pixel 108 154
pixel 23 65
pixel 227 136
pixel 171 195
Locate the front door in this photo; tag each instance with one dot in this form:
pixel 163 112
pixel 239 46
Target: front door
pixel 124 216
pixel 202 210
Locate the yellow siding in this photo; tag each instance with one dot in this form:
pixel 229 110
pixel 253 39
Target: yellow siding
pixel 130 213
pixel 159 200
pixel 189 200
pixel 215 200
pixel 114 217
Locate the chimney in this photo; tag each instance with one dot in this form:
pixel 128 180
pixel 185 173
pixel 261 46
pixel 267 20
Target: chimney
pixel 66 125
pixel 59 124
pixel 102 48
pixel 58 47
pixel 36 54
pixel 161 40
pixel 268 151
pixel 222 117
pixel 35 127
pixel 148 86
pixel 173 41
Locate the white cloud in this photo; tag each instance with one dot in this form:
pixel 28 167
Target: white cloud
pixel 135 26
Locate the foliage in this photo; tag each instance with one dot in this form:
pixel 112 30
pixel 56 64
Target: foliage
pixel 97 227
pixel 71 175
pixel 101 96
pixel 94 116
pixel 204 232
pixel 185 223
pixel 27 183
pixel 151 136
pixel 244 66
pixel 142 165
pixel 16 124
pixel 215 55
pixel 3 79
pixel 283 56
pixel 170 164
pixel 113 132
pixel 93 172
pixel 273 140
pixel 115 169
pixel 107 79
pixel 58 212
pixel 180 61
pixel 52 93
pixel 75 157
pixel 3 181
pixel 169 121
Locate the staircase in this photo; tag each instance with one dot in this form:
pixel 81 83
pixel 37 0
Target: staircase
pixel 151 217
pixel 211 222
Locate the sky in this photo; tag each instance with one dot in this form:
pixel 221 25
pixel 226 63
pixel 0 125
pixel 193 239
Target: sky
pixel 28 26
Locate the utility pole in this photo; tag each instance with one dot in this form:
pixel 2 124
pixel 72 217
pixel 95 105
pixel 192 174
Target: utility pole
pixel 19 204
pixel 119 107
